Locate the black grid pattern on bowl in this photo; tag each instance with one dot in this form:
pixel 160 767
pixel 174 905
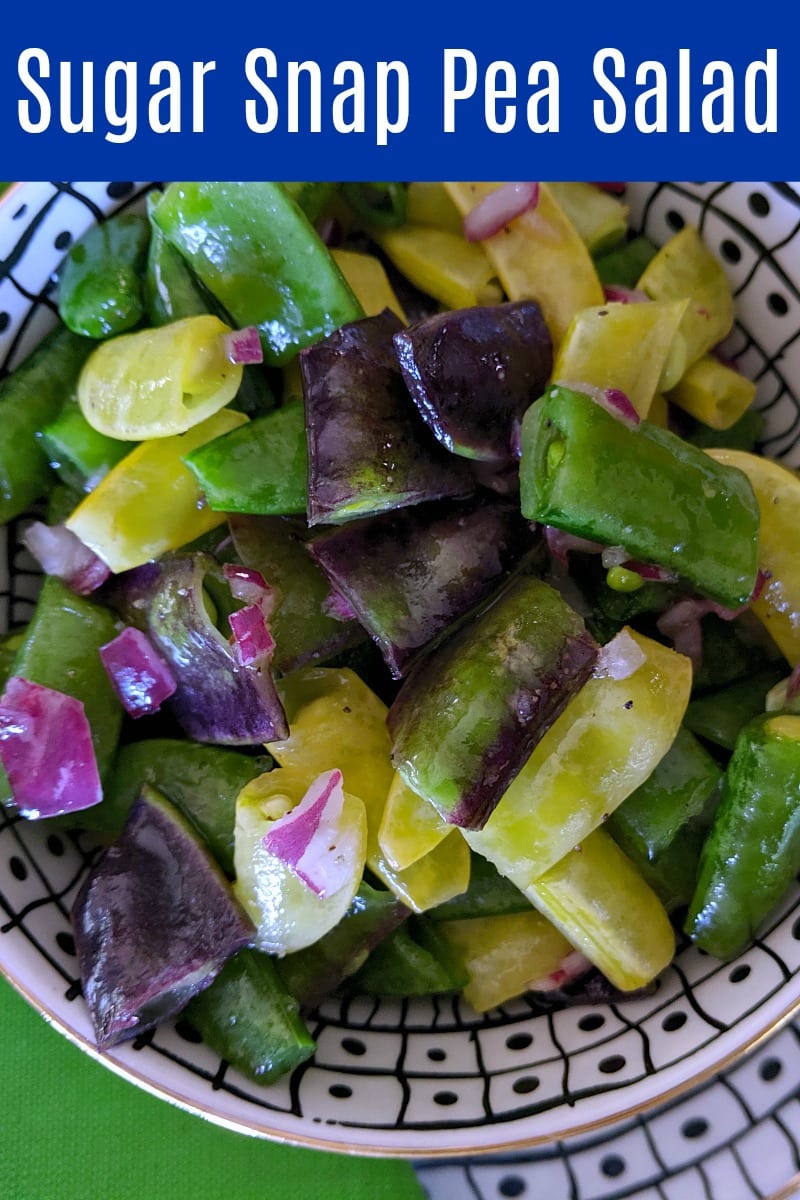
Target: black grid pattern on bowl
pixel 435 1064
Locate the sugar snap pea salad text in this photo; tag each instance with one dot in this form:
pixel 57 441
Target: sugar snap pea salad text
pixel 418 612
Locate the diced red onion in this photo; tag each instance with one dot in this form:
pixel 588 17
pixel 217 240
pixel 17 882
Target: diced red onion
pixel 139 675
pixel 250 586
pixel 61 553
pixel 681 624
pixel 495 211
pixel 46 750
pixel 572 966
pixel 619 658
pixel 561 544
pixel 613 556
pixel 793 683
pixel 253 642
pixel 611 399
pixel 651 571
pixel 337 606
pixel 615 188
pixel 329 230
pixel 617 294
pixel 243 346
pixel 307 839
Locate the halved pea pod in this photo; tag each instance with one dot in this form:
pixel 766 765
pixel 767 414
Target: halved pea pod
pixel 714 393
pixel 442 264
pixel 601 904
pixel 609 738
pixel 505 955
pixel 335 720
pixel 159 382
pixel 150 502
pixel 471 712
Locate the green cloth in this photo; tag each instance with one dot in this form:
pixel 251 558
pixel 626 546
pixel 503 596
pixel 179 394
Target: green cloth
pixel 70 1129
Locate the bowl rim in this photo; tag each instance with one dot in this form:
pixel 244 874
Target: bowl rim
pixel 403 1144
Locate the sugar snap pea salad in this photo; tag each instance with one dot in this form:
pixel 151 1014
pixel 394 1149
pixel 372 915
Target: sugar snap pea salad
pixel 418 613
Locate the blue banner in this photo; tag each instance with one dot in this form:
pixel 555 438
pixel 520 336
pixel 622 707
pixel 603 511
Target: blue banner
pixel 367 91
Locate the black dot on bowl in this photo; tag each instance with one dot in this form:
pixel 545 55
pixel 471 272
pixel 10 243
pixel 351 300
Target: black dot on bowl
pixel 758 204
pixel 512 1185
pixel 437 1055
pixel 525 1085
pixel 695 1127
pixel 18 868
pixel 55 845
pixel 354 1046
pixel 118 191
pixel 74 990
pixel 340 1091
pixel 612 1166
pixel 519 1041
pixel 65 941
pixel 445 1098
pixel 730 251
pixel 673 1021
pixel 739 973
pixel 612 1064
pixel 770 1069
pixel 5 321
pixel 591 1022
pixel 63 240
pixel 777 304
pixel 187 1031
pixel 796 930
pixel 675 220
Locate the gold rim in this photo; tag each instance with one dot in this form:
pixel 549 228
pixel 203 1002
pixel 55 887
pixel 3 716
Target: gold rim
pixel 258 1129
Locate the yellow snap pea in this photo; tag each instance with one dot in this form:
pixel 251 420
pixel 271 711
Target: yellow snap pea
pixel 336 721
pixel 159 382
pixel 607 741
pixel 505 954
pixel 600 902
pixel 538 256
pixel 454 271
pixel 623 346
pixel 685 267
pixel 714 393
pixel 150 503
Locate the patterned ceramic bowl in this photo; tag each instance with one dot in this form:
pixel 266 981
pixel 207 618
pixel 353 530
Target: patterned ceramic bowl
pixel 428 1077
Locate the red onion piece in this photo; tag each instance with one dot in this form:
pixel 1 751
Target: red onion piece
pixel 619 658
pixel 498 208
pixel 617 294
pixel 138 673
pixel 615 188
pixel 681 624
pixel 561 544
pixel 793 683
pixel 572 966
pixel 306 839
pixel 613 556
pixel 338 606
pixel 253 642
pixel 611 399
pixel 250 586
pixel 46 750
pixel 243 346
pixel 651 571
pixel 61 553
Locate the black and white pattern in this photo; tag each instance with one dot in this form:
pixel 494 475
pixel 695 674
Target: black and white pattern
pixel 429 1077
